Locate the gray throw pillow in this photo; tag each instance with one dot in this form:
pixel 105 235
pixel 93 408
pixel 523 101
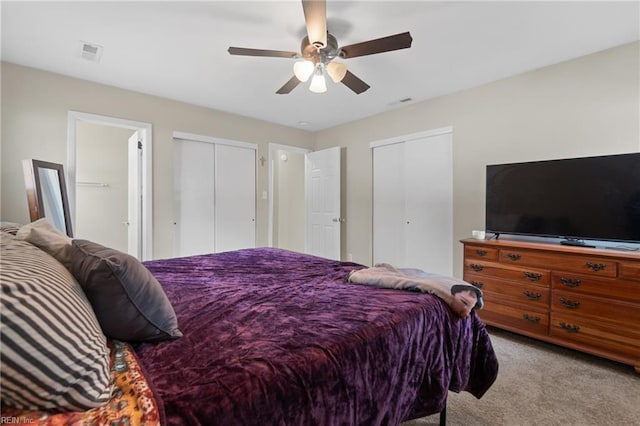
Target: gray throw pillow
pixel 129 302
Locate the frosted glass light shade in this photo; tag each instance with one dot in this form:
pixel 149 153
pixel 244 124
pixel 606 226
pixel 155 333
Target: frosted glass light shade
pixel 336 71
pixel 318 84
pixel 303 70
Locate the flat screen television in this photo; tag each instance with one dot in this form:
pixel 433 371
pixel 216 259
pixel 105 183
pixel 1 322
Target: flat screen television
pixel 590 198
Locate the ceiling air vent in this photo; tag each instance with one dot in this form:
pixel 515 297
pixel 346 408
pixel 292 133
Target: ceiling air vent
pixel 90 51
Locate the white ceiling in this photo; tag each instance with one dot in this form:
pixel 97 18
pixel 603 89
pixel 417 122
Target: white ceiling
pixel 178 50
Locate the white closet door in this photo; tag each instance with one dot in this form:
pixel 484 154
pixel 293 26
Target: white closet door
pixel 389 204
pixel 193 195
pixel 235 197
pixel 413 203
pixel 429 204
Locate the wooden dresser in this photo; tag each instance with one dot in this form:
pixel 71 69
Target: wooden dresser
pixel 582 298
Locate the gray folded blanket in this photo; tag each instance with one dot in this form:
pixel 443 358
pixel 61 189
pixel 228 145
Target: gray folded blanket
pixel 446 288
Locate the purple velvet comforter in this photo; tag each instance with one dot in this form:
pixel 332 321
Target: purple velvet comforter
pixel 273 337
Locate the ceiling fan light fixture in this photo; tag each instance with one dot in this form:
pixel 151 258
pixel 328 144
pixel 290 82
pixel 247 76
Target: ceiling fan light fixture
pixel 318 83
pixel 336 71
pixel 319 48
pixel 303 70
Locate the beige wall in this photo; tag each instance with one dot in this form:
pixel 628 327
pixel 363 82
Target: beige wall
pixel 289 206
pixel 587 106
pixel 34 125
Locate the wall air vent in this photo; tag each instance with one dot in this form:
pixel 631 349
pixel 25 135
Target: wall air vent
pixel 90 51
pixel 400 101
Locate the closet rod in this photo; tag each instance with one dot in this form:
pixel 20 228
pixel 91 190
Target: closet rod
pixel 96 184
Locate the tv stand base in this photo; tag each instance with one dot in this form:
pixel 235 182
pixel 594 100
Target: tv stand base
pixel 577 243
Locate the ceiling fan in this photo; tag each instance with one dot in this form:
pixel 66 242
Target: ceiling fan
pixel 319 49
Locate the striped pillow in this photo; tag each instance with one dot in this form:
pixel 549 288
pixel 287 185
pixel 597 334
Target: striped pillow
pixel 54 355
pixel 10 227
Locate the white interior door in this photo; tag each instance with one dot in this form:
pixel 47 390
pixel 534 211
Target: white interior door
pixel 134 195
pixel 235 197
pixel 194 198
pixel 322 181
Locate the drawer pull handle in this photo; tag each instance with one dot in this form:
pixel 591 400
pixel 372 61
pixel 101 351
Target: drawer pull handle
pixel 532 296
pixel 570 282
pixel 571 304
pixel 514 256
pixel 596 266
pixel 531 318
pixel 476 267
pixel 481 253
pixel 533 276
pixel 569 328
pixel 478 284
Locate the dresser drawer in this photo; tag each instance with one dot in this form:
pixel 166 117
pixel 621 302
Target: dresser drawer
pixel 516 274
pixel 630 271
pixel 565 262
pixel 479 252
pixel 602 337
pixel 588 284
pixel 514 317
pixel 528 295
pixel 625 313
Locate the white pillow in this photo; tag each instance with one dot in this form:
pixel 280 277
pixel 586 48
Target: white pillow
pixel 47 237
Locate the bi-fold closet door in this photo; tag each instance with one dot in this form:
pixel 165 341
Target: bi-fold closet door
pixel 413 202
pixel 215 196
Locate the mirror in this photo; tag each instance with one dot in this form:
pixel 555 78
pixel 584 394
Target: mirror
pixel 47 193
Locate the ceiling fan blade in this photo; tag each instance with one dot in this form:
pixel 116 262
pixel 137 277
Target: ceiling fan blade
pixel 261 52
pixel 354 83
pixel 288 86
pixel 379 45
pixel 315 16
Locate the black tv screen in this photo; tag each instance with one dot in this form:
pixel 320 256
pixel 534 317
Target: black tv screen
pixel 596 198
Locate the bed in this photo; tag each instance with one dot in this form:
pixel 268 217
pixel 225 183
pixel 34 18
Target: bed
pixel 274 337
pixel 278 337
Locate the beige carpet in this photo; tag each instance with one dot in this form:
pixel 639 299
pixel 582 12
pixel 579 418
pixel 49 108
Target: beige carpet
pixel 543 384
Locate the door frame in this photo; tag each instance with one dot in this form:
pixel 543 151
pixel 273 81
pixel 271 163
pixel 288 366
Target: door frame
pixel 273 147
pixel 146 174
pixel 412 136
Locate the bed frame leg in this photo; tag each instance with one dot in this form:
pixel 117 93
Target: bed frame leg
pixel 443 416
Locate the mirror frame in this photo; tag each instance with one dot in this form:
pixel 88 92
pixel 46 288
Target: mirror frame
pixel 34 190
